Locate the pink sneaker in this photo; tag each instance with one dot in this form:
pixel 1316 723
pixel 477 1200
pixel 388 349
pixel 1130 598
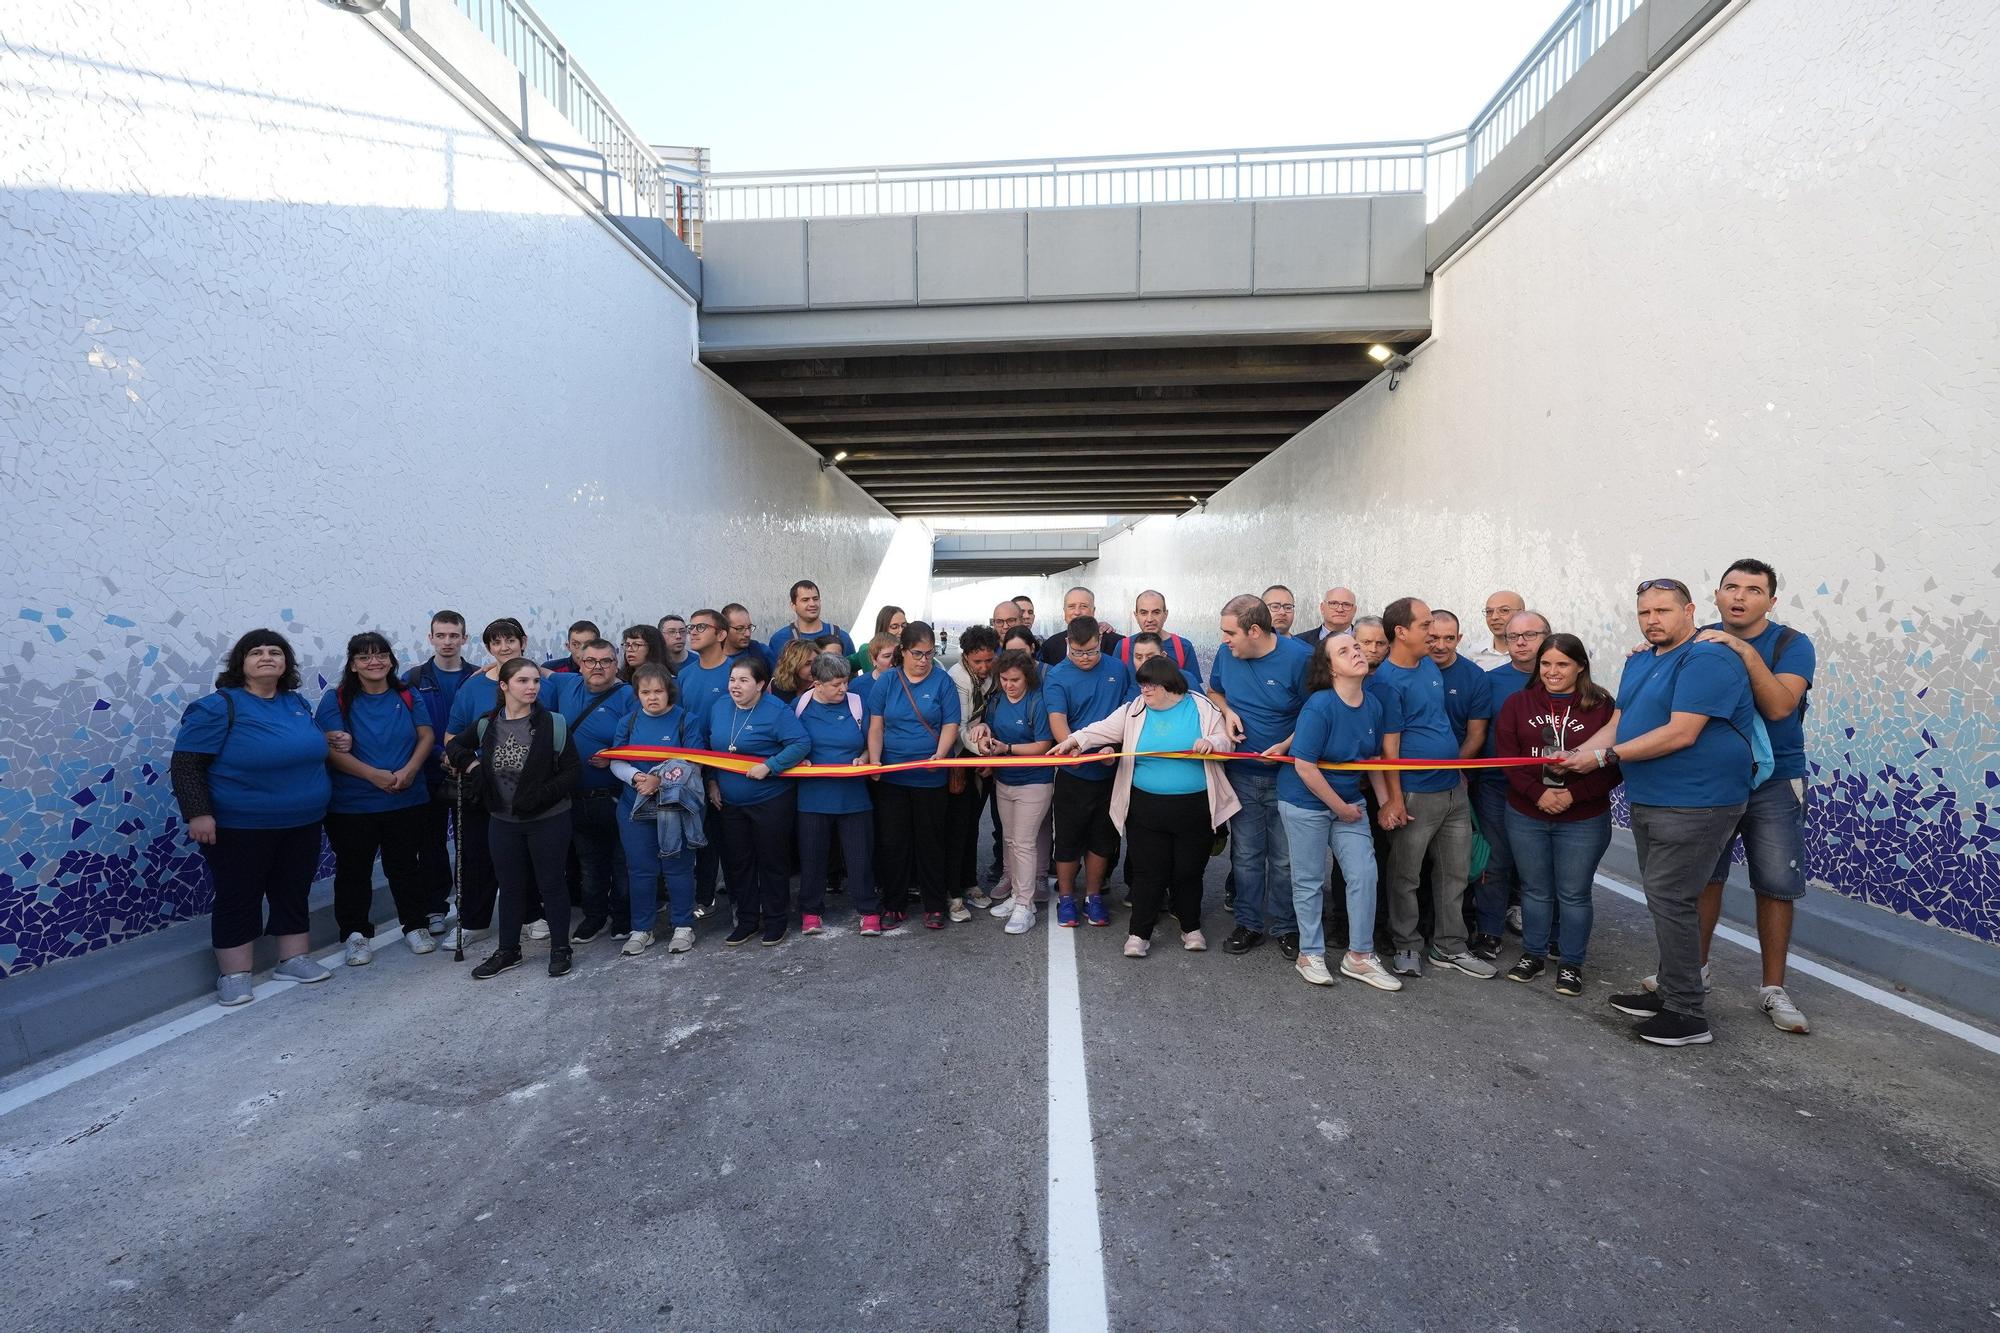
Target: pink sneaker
pixel 808 924
pixel 870 925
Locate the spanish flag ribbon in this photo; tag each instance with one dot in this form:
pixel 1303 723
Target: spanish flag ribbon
pixel 743 763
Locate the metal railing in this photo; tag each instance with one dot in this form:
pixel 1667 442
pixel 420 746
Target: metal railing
pixel 1572 39
pixel 627 177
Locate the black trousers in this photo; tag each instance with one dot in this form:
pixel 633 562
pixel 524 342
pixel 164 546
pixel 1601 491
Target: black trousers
pixel 828 841
pixel 357 839
pixel 757 857
pixel 526 854
pixel 252 866
pixel 961 825
pixel 478 882
pixel 1167 841
pixel 434 857
pixel 595 845
pixel 709 859
pixel 909 845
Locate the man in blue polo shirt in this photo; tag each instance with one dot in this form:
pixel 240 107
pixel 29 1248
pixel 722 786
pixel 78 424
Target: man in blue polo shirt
pixel 1149 612
pixel 1682 737
pixel 703 679
pixel 736 621
pixel 1259 683
pixel 1428 812
pixel 1085 687
pixel 807 623
pixel 434 684
pixel 595 713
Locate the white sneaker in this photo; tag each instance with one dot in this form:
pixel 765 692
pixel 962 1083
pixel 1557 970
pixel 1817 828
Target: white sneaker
pixel 1136 947
pixel 1652 983
pixel 538 930
pixel 1785 1015
pixel 438 922
pixel 682 941
pixel 420 941
pixel 1311 967
pixel 979 898
pixel 959 911
pixel 359 953
pixel 1194 941
pixel 1514 919
pixel 1004 908
pixel 450 939
pixel 1370 972
pixel 637 943
pixel 1020 920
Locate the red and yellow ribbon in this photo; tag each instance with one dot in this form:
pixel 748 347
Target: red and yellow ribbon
pixel 743 763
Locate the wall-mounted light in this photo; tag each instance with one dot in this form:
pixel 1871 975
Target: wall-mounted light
pixel 840 457
pixel 1392 361
pixel 825 463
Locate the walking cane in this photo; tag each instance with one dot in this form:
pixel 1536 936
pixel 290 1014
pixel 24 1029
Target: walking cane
pixel 457 866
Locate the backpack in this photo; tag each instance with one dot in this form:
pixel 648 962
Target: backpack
pixel 853 705
pixel 1172 642
pixel 562 728
pixel 341 698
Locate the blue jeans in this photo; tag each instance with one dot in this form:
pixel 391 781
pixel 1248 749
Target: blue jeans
pixel 1556 861
pixel 594 835
pixel 1313 834
pixel 1259 853
pixel 644 866
pixel 1495 887
pixel 1773 827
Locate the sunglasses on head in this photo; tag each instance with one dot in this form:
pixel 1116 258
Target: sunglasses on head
pixel 1674 585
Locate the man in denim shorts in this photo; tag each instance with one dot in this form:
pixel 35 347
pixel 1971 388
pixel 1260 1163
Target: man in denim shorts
pixel 1780 661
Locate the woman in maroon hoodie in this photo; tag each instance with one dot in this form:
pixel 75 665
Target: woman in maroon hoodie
pixel 1558 823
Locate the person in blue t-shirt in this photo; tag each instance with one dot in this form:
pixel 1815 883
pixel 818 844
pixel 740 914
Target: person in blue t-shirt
pixel 1468 702
pixel 580 633
pixel 1083 688
pixel 835 717
pixel 434 684
pixel 807 623
pixel 1259 683
pixel 702 682
pixel 1017 726
pixel 738 638
pixel 651 852
pixel 1780 662
pixel 1427 811
pixel 1496 887
pixel 249 774
pixel 759 809
pixel 379 795
pixel 913 716
pixel 1682 734
pixel 1149 613
pixel 595 708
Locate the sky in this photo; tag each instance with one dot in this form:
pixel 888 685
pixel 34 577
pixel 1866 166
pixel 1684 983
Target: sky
pixel 770 84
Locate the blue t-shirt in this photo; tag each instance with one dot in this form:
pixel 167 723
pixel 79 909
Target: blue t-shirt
pixel 270 766
pixel 435 689
pixel 769 732
pixel 1467 695
pixel 1021 723
pixel 1175 728
pixel 385 734
pixel 1266 692
pixel 563 692
pixel 1084 697
pixel 1788 734
pixel 1700 678
pixel 674 729
pixel 1413 704
pixel 829 630
pixel 698 687
pixel 836 737
pixel 1503 683
pixel 904 738
pixel 475 699
pixel 597 732
pixel 1178 651
pixel 1332 731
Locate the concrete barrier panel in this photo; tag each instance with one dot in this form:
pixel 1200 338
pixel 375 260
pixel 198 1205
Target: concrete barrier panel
pixel 1448 231
pixel 754 265
pixel 1311 245
pixel 1618 67
pixel 1395 242
pixel 1511 168
pixel 972 258
pixel 1670 22
pixel 861 262
pixel 1195 249
pixel 1083 253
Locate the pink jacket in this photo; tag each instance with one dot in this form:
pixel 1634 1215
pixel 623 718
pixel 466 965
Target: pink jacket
pixel 1122 730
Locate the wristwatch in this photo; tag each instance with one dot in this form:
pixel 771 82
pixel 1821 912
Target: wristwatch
pixel 1607 756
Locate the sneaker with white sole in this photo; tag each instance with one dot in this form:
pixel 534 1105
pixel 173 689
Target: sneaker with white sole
pixel 1369 972
pixel 682 941
pixel 538 929
pixel 302 970
pixel 232 989
pixel 810 924
pixel 438 921
pixel 1136 947
pixel 1514 918
pixel 1020 920
pixel 1784 1015
pixel 979 898
pixel 451 937
pixel 1004 908
pixel 1408 963
pixel 1652 983
pixel 959 911
pixel 1311 968
pixel 420 941
pixel 1470 964
pixel 637 943
pixel 360 952
pixel 1194 941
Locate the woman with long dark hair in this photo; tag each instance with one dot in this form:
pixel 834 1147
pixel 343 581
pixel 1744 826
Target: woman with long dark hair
pixel 642 644
pixel 890 620
pixel 914 716
pixel 1558 822
pixel 379 795
pixel 758 810
pixel 526 765
pixel 249 773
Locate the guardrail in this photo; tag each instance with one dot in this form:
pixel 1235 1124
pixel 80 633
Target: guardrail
pixel 1571 39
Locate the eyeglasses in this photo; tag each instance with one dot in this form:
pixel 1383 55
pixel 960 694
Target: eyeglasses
pixel 1281 606
pixel 599 662
pixel 1340 606
pixel 741 629
pixel 374 657
pixel 1671 585
pixel 925 653
pixel 703 627
pixel 1527 635
pixel 1085 654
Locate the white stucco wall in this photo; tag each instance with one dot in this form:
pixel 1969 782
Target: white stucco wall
pixel 288 338
pixel 1754 317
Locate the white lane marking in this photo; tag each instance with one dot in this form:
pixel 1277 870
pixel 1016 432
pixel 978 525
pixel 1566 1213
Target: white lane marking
pixel 1076 1246
pixel 1889 1000
pixel 111 1056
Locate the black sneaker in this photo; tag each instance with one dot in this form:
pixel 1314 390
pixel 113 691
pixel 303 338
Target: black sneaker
pixel 1488 947
pixel 592 927
pixel 1242 940
pixel 775 933
pixel 740 935
pixel 1569 979
pixel 1527 969
pixel 1639 1004
pixel 559 962
pixel 499 962
pixel 1288 944
pixel 1668 1028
